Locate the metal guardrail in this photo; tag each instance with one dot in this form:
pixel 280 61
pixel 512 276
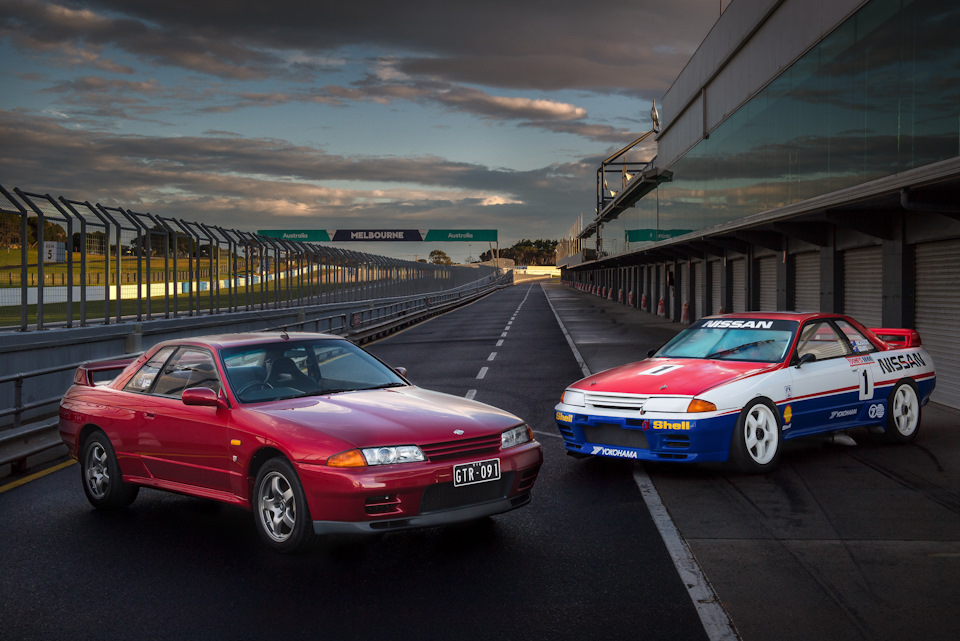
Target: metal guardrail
pixel 369 320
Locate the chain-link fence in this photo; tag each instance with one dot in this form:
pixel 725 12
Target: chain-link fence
pixel 70 263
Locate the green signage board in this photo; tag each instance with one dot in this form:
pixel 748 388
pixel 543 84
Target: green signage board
pixel 651 235
pixel 461 235
pixel 308 235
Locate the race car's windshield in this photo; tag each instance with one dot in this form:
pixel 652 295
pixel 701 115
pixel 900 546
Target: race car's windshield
pixel 733 339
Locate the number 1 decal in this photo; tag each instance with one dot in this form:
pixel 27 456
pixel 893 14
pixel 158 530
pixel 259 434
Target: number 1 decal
pixel 866 383
pixel 657 371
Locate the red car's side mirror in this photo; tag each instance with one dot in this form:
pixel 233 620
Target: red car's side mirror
pixel 204 397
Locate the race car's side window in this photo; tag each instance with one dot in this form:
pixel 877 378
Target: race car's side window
pixel 145 376
pixel 820 339
pixel 858 342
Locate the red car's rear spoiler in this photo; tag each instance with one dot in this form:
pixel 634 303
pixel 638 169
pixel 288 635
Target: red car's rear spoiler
pixel 898 337
pixel 90 374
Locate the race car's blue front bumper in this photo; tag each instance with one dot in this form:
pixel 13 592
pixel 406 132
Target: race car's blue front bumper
pixel 685 437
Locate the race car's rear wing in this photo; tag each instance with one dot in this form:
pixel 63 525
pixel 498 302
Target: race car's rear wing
pixel 898 338
pixel 100 372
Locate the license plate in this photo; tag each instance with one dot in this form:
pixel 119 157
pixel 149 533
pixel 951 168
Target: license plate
pixel 476 472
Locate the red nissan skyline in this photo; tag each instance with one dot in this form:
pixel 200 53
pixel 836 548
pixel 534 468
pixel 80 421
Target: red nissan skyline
pixel 308 431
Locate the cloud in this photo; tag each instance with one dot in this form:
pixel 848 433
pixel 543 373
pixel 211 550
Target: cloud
pixel 242 182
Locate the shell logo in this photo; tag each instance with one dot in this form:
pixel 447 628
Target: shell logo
pixel 787 414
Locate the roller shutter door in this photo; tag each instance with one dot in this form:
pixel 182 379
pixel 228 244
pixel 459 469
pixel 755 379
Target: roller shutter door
pixel 739 269
pixel 684 289
pixel 768 283
pixel 937 311
pixel 671 290
pixel 806 279
pixel 863 285
pixel 696 305
pixel 716 280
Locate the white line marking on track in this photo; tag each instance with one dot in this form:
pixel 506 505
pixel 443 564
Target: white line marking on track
pixel 500 343
pixel 716 622
pixel 483 372
pixel 471 394
pixel 492 356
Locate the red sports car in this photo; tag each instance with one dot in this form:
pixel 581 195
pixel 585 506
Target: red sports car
pixel 308 431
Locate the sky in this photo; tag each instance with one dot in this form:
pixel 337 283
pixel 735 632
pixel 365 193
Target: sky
pixel 285 114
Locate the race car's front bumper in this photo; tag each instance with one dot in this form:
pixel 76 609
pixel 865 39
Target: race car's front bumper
pixel 647 437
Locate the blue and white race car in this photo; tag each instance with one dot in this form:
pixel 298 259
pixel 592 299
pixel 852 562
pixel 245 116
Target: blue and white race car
pixel 735 387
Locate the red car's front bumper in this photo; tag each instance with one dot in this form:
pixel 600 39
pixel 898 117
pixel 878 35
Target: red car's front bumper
pixel 343 500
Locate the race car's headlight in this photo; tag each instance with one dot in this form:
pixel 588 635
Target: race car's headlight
pixel 572 397
pixel 391 455
pixel 515 436
pixel 700 405
pixel 666 404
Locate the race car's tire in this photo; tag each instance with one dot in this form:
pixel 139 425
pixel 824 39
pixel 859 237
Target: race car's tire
pixel 101 476
pixel 280 507
pixel 757 441
pixel 903 413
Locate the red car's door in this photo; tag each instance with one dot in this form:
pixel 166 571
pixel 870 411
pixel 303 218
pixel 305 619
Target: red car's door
pixel 183 443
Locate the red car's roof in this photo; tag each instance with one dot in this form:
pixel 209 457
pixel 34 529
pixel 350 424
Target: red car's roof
pixel 219 341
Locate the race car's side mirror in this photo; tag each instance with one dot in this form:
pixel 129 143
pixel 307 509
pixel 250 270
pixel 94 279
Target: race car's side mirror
pixel 806 358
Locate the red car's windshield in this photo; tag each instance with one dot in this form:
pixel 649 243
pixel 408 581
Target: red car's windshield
pixel 291 369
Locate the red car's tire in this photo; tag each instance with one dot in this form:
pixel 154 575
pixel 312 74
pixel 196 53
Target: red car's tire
pixel 280 507
pixel 101 476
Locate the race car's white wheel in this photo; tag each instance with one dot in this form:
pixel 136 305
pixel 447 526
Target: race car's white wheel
pixel 903 413
pixel 756 443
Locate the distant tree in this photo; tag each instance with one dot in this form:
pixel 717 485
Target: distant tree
pixel 438 257
pixel 527 252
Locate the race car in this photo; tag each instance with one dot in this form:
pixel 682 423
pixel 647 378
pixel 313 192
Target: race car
pixel 735 387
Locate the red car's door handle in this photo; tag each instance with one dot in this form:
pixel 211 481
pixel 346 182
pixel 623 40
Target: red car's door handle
pixel 148 415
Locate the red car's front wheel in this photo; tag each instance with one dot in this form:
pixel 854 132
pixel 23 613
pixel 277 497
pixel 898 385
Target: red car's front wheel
pixel 280 507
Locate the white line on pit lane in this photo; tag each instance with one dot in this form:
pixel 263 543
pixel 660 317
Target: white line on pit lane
pixel 716 622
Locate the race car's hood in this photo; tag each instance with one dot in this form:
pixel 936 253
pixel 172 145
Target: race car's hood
pixel 395 416
pixel 670 376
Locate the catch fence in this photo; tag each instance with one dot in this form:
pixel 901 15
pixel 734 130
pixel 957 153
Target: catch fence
pixel 71 263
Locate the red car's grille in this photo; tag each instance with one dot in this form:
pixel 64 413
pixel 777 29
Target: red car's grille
pixel 463 448
pixel 444 496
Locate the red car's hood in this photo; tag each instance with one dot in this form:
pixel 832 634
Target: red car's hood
pixel 396 416
pixel 680 376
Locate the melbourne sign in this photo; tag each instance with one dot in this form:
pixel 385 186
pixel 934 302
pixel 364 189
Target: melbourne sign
pixel 389 235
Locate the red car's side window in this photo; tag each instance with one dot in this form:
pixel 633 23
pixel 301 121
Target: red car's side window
pixel 189 368
pixel 145 376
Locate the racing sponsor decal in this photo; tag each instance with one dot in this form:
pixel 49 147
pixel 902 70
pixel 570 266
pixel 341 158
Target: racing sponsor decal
pixel 842 413
pixel 564 418
pixel 898 363
pixel 859 360
pixel 614 451
pixel 668 425
pixel 861 345
pixel 739 324
pixel 787 391
pixel 787 414
pixel 876 411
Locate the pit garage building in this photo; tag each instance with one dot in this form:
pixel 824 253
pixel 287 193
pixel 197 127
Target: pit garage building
pixel 808 158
